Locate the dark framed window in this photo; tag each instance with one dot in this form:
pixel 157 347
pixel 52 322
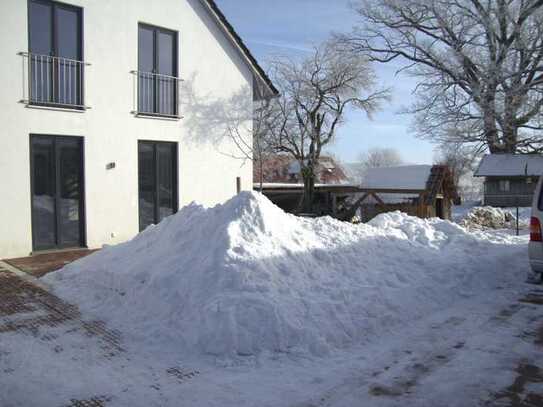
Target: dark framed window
pixel 157 181
pixel 55 60
pixel 157 71
pixel 504 185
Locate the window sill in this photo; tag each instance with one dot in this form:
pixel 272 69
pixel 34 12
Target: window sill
pixel 37 252
pixel 61 108
pixel 156 116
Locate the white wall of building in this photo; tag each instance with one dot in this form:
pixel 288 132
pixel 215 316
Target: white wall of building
pixel 213 71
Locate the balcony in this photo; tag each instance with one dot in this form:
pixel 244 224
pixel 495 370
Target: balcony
pixel 53 82
pixel 155 95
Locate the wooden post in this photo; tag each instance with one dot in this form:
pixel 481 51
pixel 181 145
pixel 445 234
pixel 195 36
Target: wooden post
pixel 517 221
pixel 378 199
pixel 238 184
pixel 420 208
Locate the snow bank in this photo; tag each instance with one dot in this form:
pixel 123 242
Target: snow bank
pixel 244 278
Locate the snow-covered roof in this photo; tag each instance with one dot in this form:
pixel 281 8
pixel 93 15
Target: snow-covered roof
pixel 401 177
pixel 327 164
pixel 510 165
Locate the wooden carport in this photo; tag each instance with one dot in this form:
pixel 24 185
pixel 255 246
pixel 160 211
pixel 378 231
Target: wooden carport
pixel 343 201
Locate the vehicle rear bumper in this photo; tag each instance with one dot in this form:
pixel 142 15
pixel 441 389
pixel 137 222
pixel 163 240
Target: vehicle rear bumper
pixel 535 251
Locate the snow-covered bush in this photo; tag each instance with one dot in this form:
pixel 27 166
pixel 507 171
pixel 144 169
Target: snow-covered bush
pixel 488 217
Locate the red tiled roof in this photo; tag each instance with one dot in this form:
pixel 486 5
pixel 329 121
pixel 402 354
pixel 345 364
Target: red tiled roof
pixel 277 169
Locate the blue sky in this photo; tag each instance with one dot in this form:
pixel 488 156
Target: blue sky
pixel 280 27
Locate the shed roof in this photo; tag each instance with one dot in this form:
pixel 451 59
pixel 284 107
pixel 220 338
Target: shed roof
pixel 401 177
pixel 510 165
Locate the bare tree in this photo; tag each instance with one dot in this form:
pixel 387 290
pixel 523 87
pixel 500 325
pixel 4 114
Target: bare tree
pixel 380 157
pixel 478 65
pixel 458 157
pixel 261 147
pixel 242 119
pixel 373 158
pixel 316 92
pixel 462 160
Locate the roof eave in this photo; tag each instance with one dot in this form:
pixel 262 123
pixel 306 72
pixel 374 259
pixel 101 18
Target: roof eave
pixel 476 172
pixel 506 175
pixel 264 88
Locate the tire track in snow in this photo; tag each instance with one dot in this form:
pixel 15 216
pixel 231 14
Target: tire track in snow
pixel 396 377
pixel 397 381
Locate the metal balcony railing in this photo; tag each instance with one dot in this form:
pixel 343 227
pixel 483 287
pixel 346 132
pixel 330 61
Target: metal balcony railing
pixel 155 95
pixel 53 81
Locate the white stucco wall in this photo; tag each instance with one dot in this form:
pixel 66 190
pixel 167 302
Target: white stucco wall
pixel 213 71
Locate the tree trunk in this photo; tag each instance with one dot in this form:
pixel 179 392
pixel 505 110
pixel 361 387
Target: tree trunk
pixel 491 136
pixel 510 129
pixel 488 108
pixel 308 176
pixel 510 138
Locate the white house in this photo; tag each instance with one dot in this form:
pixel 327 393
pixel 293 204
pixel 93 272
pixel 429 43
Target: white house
pixel 108 118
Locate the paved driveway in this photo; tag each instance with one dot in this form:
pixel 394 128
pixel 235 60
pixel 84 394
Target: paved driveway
pixel 50 355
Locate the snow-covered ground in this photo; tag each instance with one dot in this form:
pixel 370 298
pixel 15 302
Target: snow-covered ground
pixel 275 310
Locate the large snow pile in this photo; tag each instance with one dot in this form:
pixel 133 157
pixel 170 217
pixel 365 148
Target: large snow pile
pixel 244 278
pixel 481 217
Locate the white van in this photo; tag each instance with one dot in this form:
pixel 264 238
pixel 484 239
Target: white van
pixel 535 249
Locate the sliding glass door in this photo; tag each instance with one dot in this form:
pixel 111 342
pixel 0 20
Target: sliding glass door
pixel 157 181
pixel 57 192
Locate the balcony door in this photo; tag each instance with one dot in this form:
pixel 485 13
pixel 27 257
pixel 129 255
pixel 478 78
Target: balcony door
pixel 157 71
pixel 57 192
pixel 56 53
pixel 157 181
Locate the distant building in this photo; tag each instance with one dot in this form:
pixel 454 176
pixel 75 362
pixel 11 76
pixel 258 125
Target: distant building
pixel 510 179
pixel 419 190
pixel 281 168
pixel 283 183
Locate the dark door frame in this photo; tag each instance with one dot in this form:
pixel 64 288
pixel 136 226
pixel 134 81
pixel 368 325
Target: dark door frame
pixel 82 200
pixel 440 209
pixel 175 178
